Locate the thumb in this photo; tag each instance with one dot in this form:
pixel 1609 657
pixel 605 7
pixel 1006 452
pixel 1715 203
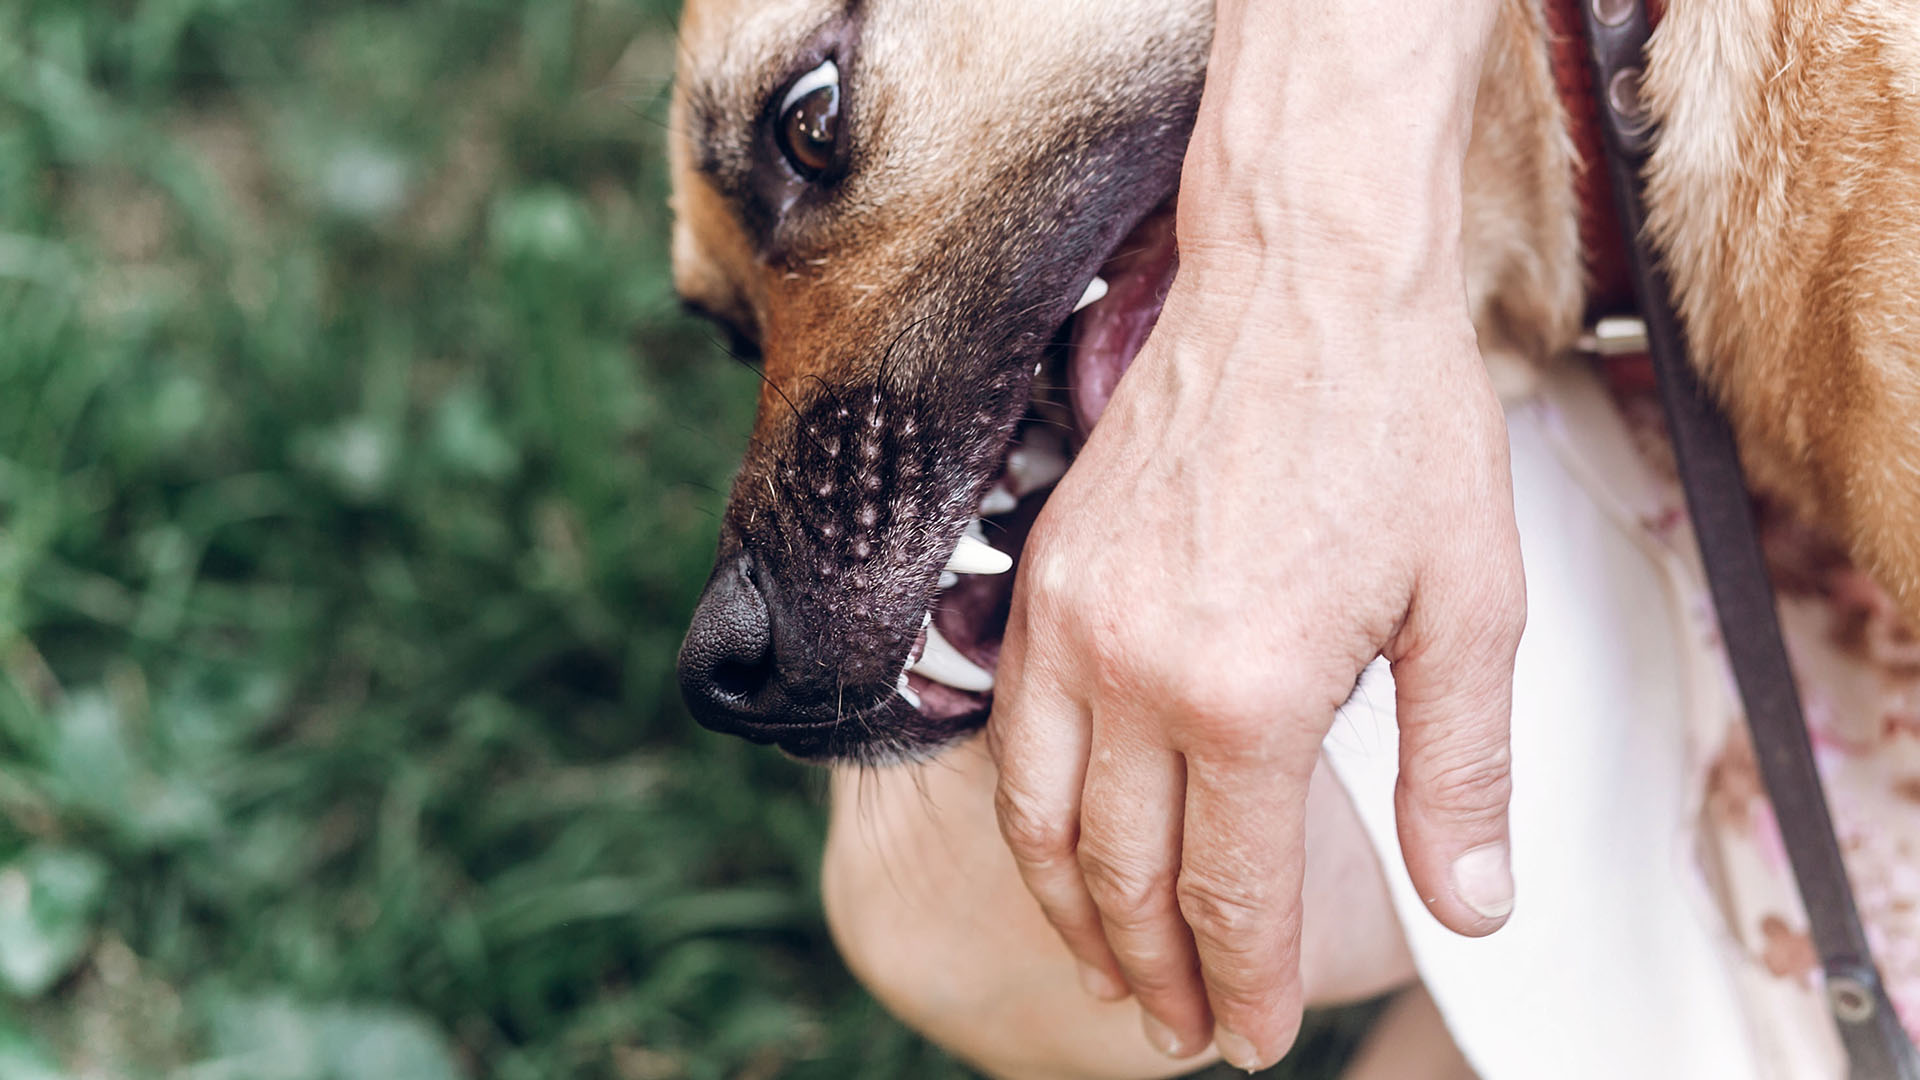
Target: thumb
pixel 1453 684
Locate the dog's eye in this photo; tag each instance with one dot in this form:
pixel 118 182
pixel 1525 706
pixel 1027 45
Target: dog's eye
pixel 808 128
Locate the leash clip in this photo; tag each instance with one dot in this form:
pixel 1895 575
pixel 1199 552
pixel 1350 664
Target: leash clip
pixel 1613 335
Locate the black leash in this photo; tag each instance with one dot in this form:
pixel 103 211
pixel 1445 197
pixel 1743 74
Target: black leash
pixel 1877 1047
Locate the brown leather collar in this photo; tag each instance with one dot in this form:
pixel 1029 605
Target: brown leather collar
pixel 1603 244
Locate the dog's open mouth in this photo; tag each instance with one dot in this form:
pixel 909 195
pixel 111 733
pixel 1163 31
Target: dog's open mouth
pixel 949 673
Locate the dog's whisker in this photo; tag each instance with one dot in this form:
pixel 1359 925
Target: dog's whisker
pixel 826 388
pixel 800 425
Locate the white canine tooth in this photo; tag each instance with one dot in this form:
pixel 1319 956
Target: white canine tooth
pixel 943 663
pixel 998 500
pixel 907 691
pixel 978 557
pixel 1096 289
pixel 948 579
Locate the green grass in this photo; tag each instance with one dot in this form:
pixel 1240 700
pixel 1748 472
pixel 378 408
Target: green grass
pixel 357 472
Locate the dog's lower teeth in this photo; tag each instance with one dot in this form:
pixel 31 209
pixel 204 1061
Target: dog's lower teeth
pixel 943 663
pixel 1096 289
pixel 907 691
pixel 978 557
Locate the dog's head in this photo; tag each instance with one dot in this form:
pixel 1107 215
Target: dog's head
pixel 900 204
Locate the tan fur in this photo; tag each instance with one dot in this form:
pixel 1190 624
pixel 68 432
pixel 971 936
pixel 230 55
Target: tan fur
pixel 1785 196
pixel 1519 224
pixel 961 89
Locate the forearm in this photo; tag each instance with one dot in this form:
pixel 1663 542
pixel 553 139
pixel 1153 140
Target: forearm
pixel 929 912
pixel 1326 160
pixel 928 908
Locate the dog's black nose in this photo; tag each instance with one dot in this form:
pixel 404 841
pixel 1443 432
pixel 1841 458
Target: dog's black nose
pixel 728 671
pixel 757 664
pixel 727 661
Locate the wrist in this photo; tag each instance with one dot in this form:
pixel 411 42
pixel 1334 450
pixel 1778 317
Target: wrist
pixel 1334 136
pixel 1386 296
pixel 1263 335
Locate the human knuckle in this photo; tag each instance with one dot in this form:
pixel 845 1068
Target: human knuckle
pixel 1032 831
pixel 1051 588
pixel 1247 720
pixel 1475 779
pixel 1215 707
pixel 1226 912
pixel 1158 976
pixel 1128 891
pixel 1216 702
pixel 1237 993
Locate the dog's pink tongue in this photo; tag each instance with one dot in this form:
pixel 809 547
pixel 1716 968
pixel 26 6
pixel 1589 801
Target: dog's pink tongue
pixel 1109 334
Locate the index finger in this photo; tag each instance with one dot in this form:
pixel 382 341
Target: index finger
pixel 1039 737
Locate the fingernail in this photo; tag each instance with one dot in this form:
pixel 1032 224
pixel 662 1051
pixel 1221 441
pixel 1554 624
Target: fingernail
pixel 1162 1037
pixel 1237 1051
pixel 1100 984
pixel 1483 880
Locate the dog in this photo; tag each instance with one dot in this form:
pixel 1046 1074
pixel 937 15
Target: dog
pixel 947 228
pixel 900 205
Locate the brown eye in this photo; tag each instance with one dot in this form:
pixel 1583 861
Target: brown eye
pixel 808 132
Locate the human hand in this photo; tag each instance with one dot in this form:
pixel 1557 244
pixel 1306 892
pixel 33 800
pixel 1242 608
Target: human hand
pixel 1266 506
pixel 1304 469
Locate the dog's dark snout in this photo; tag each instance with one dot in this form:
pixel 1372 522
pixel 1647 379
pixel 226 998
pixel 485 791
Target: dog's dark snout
pixel 727 661
pixel 751 666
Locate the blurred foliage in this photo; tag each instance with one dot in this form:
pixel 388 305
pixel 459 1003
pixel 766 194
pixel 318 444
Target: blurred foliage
pixel 357 471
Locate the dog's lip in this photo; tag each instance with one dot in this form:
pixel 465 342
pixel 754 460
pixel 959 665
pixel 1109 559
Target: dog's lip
pixel 775 732
pixel 1100 342
pixel 1110 333
pixel 811 741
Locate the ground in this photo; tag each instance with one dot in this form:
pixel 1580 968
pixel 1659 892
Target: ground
pixel 357 474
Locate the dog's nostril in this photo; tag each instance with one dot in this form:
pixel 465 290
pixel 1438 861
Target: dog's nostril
pixel 743 678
